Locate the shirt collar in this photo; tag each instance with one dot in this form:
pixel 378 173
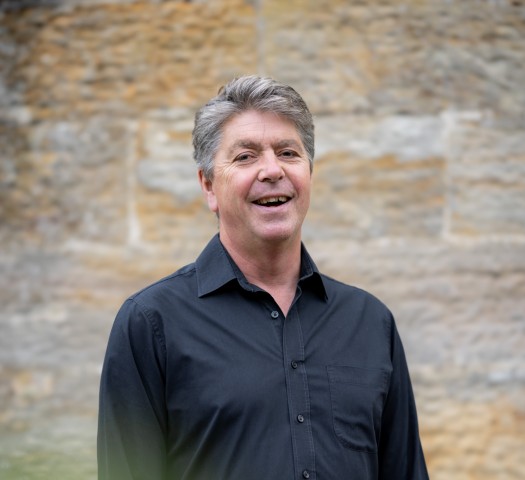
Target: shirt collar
pixel 215 268
pixel 310 275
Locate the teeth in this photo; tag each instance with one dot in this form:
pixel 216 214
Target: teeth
pixel 265 201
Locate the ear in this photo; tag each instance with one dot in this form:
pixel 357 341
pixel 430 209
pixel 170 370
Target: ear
pixel 209 194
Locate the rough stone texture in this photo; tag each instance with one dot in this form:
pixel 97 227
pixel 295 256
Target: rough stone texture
pixel 419 195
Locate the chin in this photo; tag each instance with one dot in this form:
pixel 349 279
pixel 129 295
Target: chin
pixel 278 236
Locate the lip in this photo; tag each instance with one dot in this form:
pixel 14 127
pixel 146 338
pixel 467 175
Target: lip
pixel 273 211
pixel 270 201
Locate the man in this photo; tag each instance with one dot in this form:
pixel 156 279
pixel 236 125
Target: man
pixel 249 364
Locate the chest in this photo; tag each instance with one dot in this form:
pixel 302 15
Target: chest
pixel 243 360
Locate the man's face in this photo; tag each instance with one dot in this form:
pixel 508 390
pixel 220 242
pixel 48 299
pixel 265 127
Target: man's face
pixel 261 180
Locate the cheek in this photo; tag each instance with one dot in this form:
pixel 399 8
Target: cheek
pixel 227 193
pixel 303 182
pixel 238 186
pixel 305 187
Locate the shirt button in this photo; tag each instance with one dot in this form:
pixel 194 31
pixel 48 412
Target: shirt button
pixel 306 474
pixel 294 364
pixel 275 314
pixel 300 418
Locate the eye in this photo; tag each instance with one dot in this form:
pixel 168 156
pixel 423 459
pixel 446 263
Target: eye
pixel 288 154
pixel 244 157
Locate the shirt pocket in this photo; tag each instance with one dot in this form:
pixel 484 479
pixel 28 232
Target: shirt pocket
pixel 357 397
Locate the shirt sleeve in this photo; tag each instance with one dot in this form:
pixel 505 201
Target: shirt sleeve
pixel 132 413
pixel 400 453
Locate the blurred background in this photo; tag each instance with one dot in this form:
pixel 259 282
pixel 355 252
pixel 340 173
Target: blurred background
pixel 419 195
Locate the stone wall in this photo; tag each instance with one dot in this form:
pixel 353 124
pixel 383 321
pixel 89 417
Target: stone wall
pixel 419 195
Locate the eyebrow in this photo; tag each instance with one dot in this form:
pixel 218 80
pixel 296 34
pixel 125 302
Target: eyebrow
pixel 289 143
pixel 244 144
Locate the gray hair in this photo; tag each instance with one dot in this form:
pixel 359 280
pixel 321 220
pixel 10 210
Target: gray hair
pixel 242 94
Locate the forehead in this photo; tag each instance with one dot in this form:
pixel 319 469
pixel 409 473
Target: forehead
pixel 258 126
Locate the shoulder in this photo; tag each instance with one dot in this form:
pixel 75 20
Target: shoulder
pixel 357 306
pixel 146 309
pixel 337 287
pixel 181 282
pixel 355 298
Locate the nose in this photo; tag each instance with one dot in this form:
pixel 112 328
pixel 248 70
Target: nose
pixel 270 169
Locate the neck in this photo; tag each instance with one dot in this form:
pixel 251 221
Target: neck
pixel 274 267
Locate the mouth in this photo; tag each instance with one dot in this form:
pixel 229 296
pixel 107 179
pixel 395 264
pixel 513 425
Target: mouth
pixel 272 201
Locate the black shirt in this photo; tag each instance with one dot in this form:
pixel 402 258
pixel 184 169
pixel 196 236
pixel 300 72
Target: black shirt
pixel 205 379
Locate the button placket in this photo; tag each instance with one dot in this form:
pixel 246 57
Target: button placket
pixel 298 396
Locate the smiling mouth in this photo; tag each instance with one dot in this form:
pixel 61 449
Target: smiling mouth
pixel 272 201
